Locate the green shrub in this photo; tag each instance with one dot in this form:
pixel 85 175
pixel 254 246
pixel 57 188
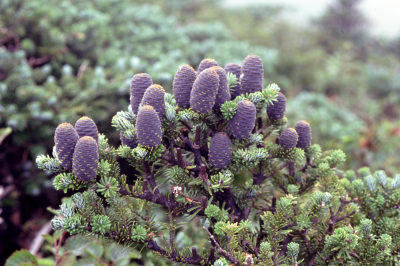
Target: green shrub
pixel 292 207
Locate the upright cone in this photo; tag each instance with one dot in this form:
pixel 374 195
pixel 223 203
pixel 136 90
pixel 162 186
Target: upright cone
pixel 148 127
pixel 288 138
pixel 303 129
pixel 139 84
pixel 223 94
pixel 65 139
pixel 242 123
pixel 154 96
pixel 182 85
pixel 220 151
pixel 204 92
pixel 237 71
pixel 278 109
pixel 206 63
pixel 253 74
pixel 85 126
pixel 86 159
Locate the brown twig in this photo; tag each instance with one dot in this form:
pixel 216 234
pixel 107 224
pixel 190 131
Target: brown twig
pixel 220 250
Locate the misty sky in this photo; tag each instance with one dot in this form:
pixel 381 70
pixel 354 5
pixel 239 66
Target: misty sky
pixel 383 15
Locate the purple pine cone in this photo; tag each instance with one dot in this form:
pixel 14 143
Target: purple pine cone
pixel 182 85
pixel 223 94
pixel 288 139
pixel 65 139
pixel 128 142
pixel 154 96
pixel 139 84
pixel 204 92
pixel 237 71
pixel 206 63
pixel 85 126
pixel 86 159
pixel 220 151
pixel 242 123
pixel 278 109
pixel 303 129
pixel 148 127
pixel 253 74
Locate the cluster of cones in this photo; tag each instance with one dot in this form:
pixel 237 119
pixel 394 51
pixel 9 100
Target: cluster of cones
pixel 77 148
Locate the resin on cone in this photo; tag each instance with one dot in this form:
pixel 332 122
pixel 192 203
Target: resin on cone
pixel 242 123
pixel 277 110
pixel 154 96
pixel 85 126
pixel 148 127
pixel 86 159
pixel 206 63
pixel 303 129
pixel 223 94
pixel 65 139
pixel 204 92
pixel 253 74
pixel 237 71
pixel 139 84
pixel 288 139
pixel 220 150
pixel 182 85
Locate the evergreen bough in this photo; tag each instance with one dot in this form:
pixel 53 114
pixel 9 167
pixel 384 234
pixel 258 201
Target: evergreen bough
pixel 268 201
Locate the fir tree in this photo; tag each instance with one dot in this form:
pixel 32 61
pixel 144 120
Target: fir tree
pixel 296 208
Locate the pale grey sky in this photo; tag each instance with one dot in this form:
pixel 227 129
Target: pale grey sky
pixel 384 15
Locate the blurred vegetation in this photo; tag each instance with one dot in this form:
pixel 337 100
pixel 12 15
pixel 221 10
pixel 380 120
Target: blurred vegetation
pixel 57 57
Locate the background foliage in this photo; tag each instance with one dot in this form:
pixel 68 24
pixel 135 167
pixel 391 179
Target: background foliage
pixel 56 58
